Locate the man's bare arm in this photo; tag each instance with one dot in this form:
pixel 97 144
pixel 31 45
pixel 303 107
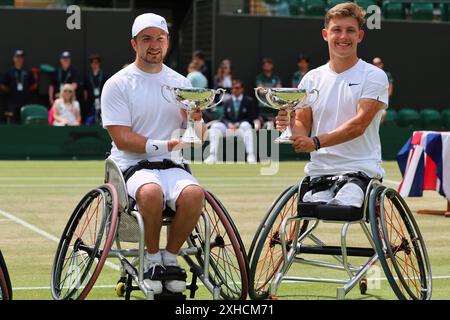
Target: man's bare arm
pixel 353 128
pixel 127 140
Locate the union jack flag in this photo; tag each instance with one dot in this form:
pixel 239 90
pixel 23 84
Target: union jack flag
pixel 424 162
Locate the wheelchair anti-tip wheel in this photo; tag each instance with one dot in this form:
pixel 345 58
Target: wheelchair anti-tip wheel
pixel 5 281
pixel 267 258
pixel 84 244
pixel 228 263
pixel 399 245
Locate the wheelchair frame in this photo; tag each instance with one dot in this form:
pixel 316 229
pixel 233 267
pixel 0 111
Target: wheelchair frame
pixel 128 271
pixel 291 251
pixel 5 281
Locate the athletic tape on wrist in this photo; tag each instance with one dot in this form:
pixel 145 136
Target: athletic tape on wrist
pixel 156 147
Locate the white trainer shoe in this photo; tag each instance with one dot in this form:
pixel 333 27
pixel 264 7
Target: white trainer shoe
pixel 151 270
pixel 210 160
pixel 175 286
pixel 251 158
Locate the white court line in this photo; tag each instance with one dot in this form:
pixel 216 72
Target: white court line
pixel 44 234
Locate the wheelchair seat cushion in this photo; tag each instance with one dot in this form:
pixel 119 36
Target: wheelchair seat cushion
pixel 329 212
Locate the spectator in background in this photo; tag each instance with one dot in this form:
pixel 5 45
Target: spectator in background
pixel 238 117
pixel 199 58
pixel 197 79
pixel 93 85
pixel 17 83
pixel 379 63
pixel 224 77
pixel 66 109
pixel 303 68
pixel 65 73
pixel 267 79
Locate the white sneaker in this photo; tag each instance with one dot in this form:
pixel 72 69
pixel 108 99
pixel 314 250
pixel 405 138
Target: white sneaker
pixel 210 160
pixel 151 269
pixel 174 286
pixel 251 158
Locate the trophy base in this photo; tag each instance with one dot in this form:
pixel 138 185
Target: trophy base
pixel 283 141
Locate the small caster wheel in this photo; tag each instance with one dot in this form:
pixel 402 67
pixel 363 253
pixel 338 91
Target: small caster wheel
pixel 363 286
pixel 120 288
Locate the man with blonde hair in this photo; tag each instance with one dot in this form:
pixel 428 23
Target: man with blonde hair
pixel 344 122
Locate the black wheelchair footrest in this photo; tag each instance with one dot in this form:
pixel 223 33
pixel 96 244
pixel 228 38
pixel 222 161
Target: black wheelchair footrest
pixel 167 295
pixel 336 251
pixel 166 273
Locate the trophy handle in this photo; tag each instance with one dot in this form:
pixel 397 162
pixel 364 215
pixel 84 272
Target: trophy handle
pixel 308 103
pixel 317 97
pixel 166 87
pixel 219 91
pixel 259 99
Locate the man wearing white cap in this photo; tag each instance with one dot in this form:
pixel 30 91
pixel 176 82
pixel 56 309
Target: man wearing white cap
pixel 141 124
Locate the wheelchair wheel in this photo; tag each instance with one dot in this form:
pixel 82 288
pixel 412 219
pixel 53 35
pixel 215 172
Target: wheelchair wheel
pixel 399 245
pixel 267 257
pixel 5 281
pixel 228 265
pixel 84 244
pixel 263 222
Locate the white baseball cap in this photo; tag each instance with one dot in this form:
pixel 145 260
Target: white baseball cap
pixel 148 20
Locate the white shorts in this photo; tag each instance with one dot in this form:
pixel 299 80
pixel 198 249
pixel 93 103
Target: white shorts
pixel 172 182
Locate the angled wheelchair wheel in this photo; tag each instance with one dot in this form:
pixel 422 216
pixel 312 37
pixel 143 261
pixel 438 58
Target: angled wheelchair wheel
pixel 399 245
pixel 84 244
pixel 263 222
pixel 5 281
pixel 267 258
pixel 228 265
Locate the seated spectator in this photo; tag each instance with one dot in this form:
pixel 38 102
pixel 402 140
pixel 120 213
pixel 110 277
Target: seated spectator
pixel 224 77
pixel 18 84
pixel 65 73
pixel 238 117
pixel 267 79
pixel 66 109
pixel 199 58
pixel 93 85
pixel 197 79
pixel 303 68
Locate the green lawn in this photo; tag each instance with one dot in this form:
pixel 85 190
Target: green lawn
pixel 37 197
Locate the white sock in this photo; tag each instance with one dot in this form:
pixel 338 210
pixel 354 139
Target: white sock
pixel 169 259
pixel 153 257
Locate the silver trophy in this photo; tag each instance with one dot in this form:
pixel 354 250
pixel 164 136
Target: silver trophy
pixel 191 99
pixel 288 99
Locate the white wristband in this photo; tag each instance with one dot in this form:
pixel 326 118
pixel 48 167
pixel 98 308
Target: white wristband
pixel 156 147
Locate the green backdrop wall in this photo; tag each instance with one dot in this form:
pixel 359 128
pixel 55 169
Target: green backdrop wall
pixel 92 142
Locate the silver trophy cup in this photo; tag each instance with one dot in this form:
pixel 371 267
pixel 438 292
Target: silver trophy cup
pixel 288 99
pixel 191 99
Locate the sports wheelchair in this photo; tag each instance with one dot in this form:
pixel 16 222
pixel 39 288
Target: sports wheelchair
pixel 285 235
pixel 105 221
pixel 5 281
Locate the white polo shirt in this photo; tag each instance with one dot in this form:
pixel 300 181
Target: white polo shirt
pixel 339 94
pixel 132 98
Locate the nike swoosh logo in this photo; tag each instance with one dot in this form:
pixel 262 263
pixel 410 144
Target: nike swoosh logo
pixel 156 147
pixel 352 84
